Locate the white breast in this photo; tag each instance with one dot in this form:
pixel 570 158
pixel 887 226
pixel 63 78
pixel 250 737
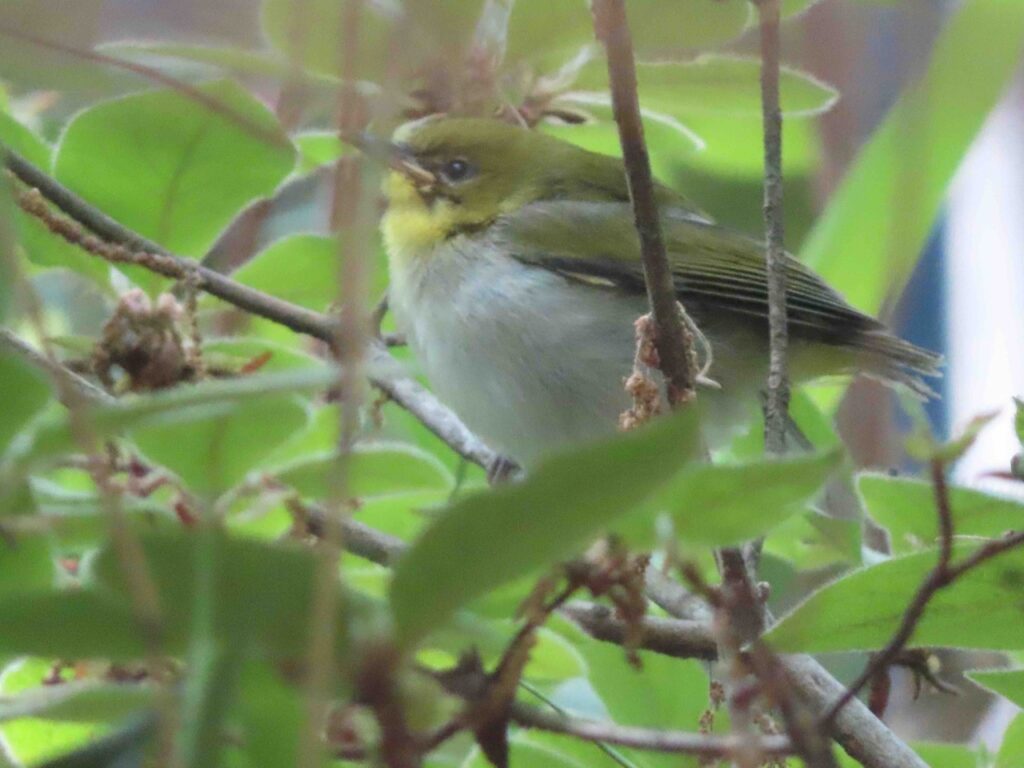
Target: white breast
pixel 529 360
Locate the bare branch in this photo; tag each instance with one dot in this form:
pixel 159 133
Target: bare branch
pixel 674 742
pixel 673 340
pixel 776 407
pixel 670 637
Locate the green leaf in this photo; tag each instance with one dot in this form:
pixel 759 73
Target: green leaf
pixel 487 539
pixel 318 148
pixel 18 138
pixel 1008 683
pixel 204 160
pixel 862 610
pixel 938 755
pixel 315 40
pixel 715 84
pixel 281 575
pixel 906 508
pixel 1018 419
pixel 706 508
pixel 78 702
pixel 204 400
pixel 1011 752
pixel 212 449
pixel 523 753
pixel 375 469
pixel 25 391
pixel 299 268
pixel 869 238
pixel 663 29
pixel 26 564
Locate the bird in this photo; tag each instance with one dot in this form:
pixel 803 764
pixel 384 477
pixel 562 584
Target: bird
pixel 516 276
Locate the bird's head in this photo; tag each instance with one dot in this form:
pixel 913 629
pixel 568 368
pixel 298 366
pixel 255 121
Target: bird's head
pixel 451 176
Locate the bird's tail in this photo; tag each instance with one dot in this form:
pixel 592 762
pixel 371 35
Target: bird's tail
pixel 896 361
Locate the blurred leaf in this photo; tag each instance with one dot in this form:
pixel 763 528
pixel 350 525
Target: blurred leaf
pixel 247 355
pixel 75 701
pixel 197 401
pixel 262 591
pixel 525 754
pixel 868 240
pixel 813 540
pixel 906 508
pixel 716 84
pixel 861 610
pixel 26 390
pixel 272 716
pixel 18 138
pixel 45 45
pixel 202 164
pixel 663 29
pixel 318 148
pixel 1008 683
pixel 706 509
pixel 46 249
pixel 299 268
pixel 30 740
pixel 312 32
pixel 26 564
pixel 212 449
pixel 375 469
pixel 947 755
pixel 1018 419
pixel 487 539
pixel 1011 752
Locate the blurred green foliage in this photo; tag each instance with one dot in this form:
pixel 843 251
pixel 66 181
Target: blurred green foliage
pixel 211 477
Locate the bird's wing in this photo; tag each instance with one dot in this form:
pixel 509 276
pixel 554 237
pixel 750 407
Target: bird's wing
pixel 596 243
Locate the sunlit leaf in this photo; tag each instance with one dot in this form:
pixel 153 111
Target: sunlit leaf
pixel 1008 683
pixel 298 268
pixel 1011 752
pixel 706 509
pixel 487 539
pixel 205 157
pixel 861 611
pixel 906 508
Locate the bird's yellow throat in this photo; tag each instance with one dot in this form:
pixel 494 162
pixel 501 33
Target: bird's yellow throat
pixel 412 227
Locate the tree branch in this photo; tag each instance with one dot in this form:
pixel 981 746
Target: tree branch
pixel 672 338
pixel 403 390
pixel 80 386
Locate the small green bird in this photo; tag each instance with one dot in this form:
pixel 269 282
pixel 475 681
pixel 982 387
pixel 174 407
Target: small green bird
pixel 516 276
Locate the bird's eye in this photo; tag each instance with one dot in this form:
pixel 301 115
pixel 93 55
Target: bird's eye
pixel 456 170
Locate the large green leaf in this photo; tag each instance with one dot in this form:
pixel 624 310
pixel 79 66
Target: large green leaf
pixel 375 469
pixel 174 168
pixel 212 449
pixel 25 391
pixel 906 508
pixel 707 509
pixel 870 236
pixel 716 84
pixel 1011 751
pixel 487 539
pixel 1006 682
pixel 300 268
pixel 862 610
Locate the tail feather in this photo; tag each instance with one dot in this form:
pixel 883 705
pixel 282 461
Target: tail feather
pixel 897 361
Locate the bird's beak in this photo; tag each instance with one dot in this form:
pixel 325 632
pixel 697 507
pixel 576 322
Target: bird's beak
pixel 394 156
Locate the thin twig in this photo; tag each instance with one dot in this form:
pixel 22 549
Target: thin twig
pixel 82 387
pixel 941 576
pixel 776 407
pixel 676 357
